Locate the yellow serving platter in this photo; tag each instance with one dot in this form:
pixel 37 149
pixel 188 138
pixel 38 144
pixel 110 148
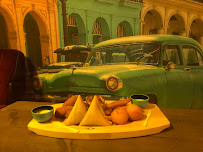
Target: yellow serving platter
pixel 56 128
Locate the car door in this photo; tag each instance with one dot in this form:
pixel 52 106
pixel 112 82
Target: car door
pixel 179 89
pixel 193 59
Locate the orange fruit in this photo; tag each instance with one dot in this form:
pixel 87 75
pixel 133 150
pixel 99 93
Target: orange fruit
pixel 134 112
pixel 119 115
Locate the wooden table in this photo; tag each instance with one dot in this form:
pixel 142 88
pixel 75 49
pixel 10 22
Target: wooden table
pixel 185 134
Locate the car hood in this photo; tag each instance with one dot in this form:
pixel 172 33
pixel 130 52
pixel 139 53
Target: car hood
pixel 106 70
pixel 92 76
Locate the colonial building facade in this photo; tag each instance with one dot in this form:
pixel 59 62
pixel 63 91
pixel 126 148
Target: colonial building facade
pixel 30 26
pixel 93 21
pixel 178 17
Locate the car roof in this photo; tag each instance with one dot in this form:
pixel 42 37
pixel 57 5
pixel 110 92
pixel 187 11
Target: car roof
pixel 146 38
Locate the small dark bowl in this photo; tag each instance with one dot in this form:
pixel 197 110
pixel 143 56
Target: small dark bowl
pixel 43 113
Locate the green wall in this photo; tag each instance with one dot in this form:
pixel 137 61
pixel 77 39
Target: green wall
pixel 109 13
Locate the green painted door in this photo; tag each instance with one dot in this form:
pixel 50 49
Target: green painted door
pixel 179 80
pixel 194 62
pixel 197 76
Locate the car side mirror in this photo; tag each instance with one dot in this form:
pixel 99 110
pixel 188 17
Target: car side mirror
pixel 73 67
pixel 170 65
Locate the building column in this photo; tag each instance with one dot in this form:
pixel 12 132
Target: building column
pixel 137 26
pixel 12 40
pixel 166 29
pixel 60 26
pixel 44 40
pixel 53 38
pixel 89 27
pixel 113 28
pixel 183 33
pixel 20 32
pixel 89 36
pixel 161 31
pixel 142 27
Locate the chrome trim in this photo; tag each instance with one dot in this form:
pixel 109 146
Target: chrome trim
pixel 119 81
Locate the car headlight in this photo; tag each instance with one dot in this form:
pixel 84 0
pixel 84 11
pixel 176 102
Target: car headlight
pixel 36 83
pixel 114 83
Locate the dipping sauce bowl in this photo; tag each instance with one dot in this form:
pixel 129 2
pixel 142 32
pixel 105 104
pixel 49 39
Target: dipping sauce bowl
pixel 43 113
pixel 140 100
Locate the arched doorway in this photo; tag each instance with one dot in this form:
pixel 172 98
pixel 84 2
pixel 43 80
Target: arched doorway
pixel 32 40
pixel 100 31
pixel 152 23
pixel 176 25
pixel 196 30
pixel 124 29
pixel 76 30
pixel 97 33
pixel 3 33
pixel 72 31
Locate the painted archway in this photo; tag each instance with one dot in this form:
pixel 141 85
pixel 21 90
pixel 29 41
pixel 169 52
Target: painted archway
pixel 38 49
pixel 8 36
pixel 196 30
pixel 176 25
pixel 78 31
pixel 124 29
pixel 152 23
pixel 103 32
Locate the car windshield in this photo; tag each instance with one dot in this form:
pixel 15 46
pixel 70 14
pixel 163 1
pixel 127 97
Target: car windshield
pixel 77 56
pixel 140 53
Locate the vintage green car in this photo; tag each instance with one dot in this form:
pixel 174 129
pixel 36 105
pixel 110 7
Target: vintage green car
pixel 167 68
